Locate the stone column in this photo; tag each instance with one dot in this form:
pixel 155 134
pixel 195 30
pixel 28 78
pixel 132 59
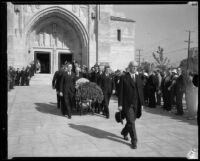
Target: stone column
pixel 54 62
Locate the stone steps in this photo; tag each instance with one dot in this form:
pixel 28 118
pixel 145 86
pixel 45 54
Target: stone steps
pixel 39 79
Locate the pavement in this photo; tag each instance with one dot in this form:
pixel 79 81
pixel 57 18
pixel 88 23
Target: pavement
pixel 36 128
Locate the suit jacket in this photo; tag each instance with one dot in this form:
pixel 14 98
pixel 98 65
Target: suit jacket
pixel 107 84
pixel 131 94
pixel 152 83
pixel 67 84
pixel 78 77
pixel 99 78
pixel 56 79
pixel 180 84
pixel 94 77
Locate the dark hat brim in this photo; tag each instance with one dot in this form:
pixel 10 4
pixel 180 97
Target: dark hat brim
pixel 119 117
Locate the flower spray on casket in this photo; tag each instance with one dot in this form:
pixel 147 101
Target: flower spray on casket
pixel 88 92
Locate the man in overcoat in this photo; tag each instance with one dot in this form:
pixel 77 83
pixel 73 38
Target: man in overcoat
pixel 94 77
pixel 179 87
pixel 17 78
pixel 56 84
pixel 94 74
pixel 23 76
pixel 131 101
pixel 108 87
pixel 152 89
pixel 67 90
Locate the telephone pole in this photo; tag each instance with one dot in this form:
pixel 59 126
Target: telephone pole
pixel 139 55
pixel 97 34
pixel 188 47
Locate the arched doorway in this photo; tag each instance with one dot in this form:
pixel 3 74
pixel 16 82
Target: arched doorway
pixel 54 36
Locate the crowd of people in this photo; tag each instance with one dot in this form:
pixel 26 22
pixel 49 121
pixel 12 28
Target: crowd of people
pixel 64 83
pixel 160 88
pixel 17 77
pixel 170 86
pixel 134 89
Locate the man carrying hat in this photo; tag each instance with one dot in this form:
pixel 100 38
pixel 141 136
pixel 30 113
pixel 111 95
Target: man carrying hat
pixel 131 101
pixel 56 84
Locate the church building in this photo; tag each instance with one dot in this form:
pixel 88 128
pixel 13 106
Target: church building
pixel 54 34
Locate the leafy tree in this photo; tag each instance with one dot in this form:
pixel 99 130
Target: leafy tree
pixel 161 61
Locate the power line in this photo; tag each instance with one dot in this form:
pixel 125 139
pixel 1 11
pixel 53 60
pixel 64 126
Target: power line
pixel 173 51
pixel 167 38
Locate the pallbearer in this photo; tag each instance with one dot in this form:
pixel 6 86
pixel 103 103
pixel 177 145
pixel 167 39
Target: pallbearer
pixel 108 87
pixel 56 84
pixel 67 90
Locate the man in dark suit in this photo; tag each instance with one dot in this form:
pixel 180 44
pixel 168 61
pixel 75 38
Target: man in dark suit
pixel 95 78
pixel 99 106
pixel 67 90
pixel 23 76
pixel 152 89
pixel 179 87
pixel 108 87
pixel 56 84
pixel 27 75
pixel 94 74
pixel 131 101
pixel 17 79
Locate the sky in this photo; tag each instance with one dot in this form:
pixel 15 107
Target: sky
pixel 164 26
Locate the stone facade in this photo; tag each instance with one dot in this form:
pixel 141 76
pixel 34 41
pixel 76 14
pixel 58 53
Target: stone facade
pixel 58 32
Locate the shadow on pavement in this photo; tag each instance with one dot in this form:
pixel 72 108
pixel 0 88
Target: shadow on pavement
pixel 48 108
pixel 51 108
pixel 97 133
pixel 160 111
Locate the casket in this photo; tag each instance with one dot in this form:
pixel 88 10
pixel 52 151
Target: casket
pixel 89 91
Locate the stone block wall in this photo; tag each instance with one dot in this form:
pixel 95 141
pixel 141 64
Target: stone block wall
pixel 116 53
pixel 123 51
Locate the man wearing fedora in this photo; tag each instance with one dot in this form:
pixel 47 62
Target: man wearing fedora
pixel 130 101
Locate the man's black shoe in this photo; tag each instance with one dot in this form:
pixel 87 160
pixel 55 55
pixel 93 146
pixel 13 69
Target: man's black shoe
pixel 180 114
pixel 69 117
pixel 134 146
pixel 125 136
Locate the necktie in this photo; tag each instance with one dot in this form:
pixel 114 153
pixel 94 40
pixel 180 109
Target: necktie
pixel 134 78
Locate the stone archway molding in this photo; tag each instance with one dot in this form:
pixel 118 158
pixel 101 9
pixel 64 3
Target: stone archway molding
pixel 64 14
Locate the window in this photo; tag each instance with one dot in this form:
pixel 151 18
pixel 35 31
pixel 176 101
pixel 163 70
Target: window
pixel 119 35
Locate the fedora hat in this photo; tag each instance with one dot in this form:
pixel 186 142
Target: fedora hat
pixel 119 116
